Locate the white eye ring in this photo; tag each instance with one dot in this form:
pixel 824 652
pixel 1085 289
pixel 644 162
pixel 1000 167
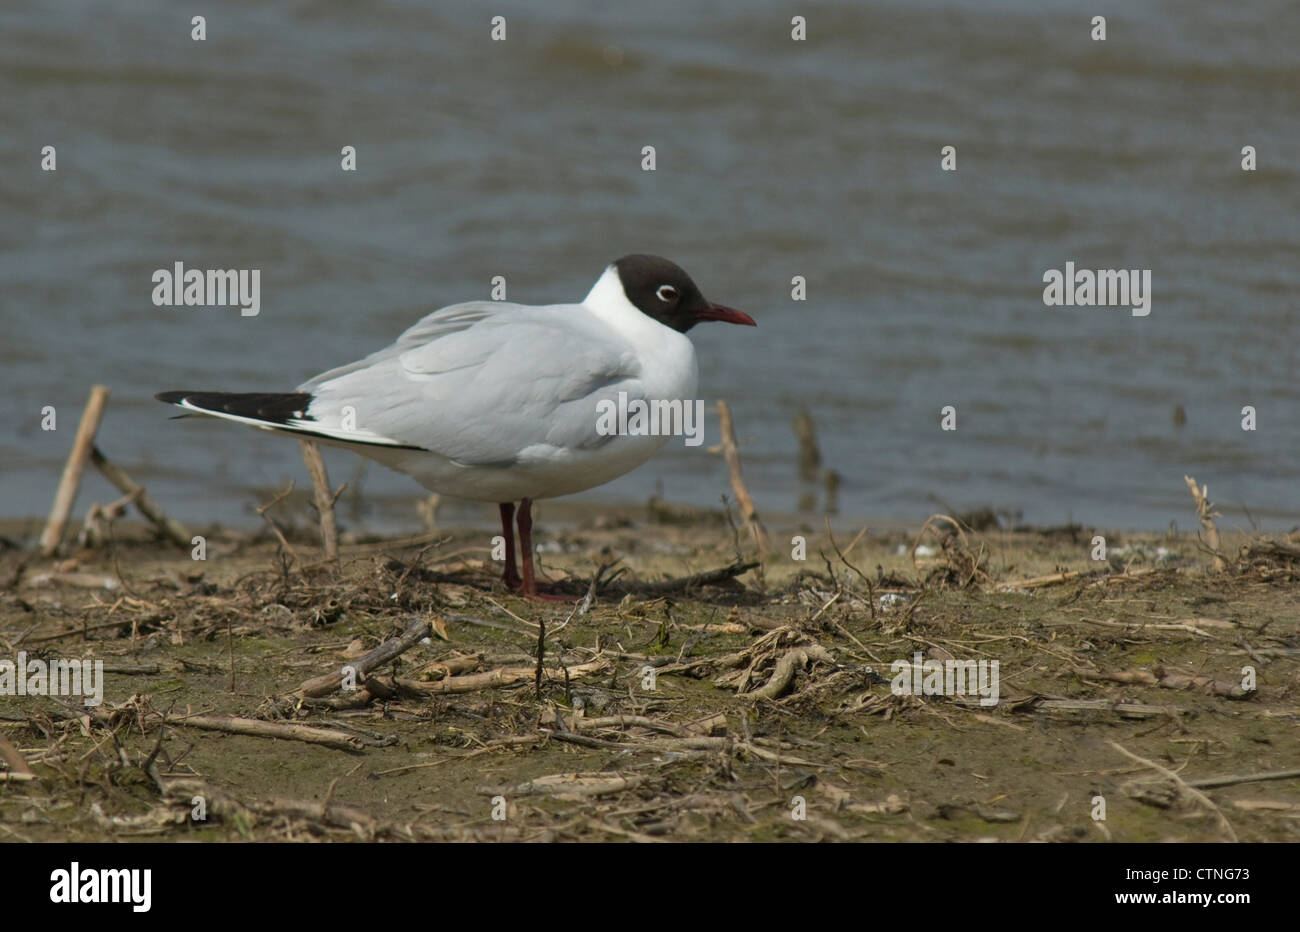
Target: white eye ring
pixel 666 293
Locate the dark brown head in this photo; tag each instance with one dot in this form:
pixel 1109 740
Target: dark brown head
pixel 660 289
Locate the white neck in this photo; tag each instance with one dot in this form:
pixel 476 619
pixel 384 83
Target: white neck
pixel 664 357
pixel 607 301
pixel 607 294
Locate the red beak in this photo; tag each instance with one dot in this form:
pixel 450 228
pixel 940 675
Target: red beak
pixel 728 314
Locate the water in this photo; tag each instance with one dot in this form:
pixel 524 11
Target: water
pixel 775 159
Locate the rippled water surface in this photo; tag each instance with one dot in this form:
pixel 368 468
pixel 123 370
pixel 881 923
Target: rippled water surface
pixel 775 159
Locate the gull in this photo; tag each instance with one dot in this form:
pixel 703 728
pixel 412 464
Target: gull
pixel 498 402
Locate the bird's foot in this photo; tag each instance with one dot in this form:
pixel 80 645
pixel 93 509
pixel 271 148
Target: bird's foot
pixel 534 594
pixel 551 597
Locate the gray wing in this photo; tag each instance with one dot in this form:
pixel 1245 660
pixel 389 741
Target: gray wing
pixel 480 383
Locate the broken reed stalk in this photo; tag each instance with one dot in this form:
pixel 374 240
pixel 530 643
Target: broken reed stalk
pixel 320 481
pixel 94 530
pixel 541 654
pixel 1228 689
pixel 1206 514
pixel 832 482
pixel 172 529
pixel 1234 779
pixel 503 676
pixel 257 728
pixel 70 482
pixel 263 511
pixel 810 457
pixel 687 583
pixel 732 454
pixel 386 652
pixel 1183 788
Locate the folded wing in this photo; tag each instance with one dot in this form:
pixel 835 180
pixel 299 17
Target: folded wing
pixel 483 383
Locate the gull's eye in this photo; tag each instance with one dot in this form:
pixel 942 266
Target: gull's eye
pixel 667 294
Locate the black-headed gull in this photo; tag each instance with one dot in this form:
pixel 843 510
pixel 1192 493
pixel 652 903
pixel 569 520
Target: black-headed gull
pixel 500 402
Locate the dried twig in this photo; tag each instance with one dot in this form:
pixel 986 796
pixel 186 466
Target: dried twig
pixel 963 563
pixel 172 529
pixel 263 509
pixel 810 457
pixel 631 721
pixel 66 495
pixel 541 653
pixel 1183 787
pixel 503 676
pixel 385 653
pixel 1051 579
pixel 1206 514
pixel 732 455
pixel 1193 626
pixel 1228 689
pixel 871 590
pixel 596 581
pixel 260 729
pixel 1122 709
pixel 325 499
pixel 1100 578
pixel 1235 779
pixel 578 784
pixel 710 578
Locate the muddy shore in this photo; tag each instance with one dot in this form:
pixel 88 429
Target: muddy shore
pixel 759 707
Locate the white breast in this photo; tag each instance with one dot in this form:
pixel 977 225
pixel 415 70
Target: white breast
pixel 667 370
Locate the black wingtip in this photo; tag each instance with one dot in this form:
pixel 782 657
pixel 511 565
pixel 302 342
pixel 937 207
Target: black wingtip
pixel 271 407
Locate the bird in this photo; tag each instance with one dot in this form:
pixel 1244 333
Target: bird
pixel 499 402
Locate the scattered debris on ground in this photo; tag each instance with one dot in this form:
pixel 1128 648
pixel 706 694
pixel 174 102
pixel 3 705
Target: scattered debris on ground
pixel 689 692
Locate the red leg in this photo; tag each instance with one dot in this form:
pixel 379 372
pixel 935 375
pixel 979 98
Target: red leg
pixel 529 587
pixel 526 545
pixel 511 575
